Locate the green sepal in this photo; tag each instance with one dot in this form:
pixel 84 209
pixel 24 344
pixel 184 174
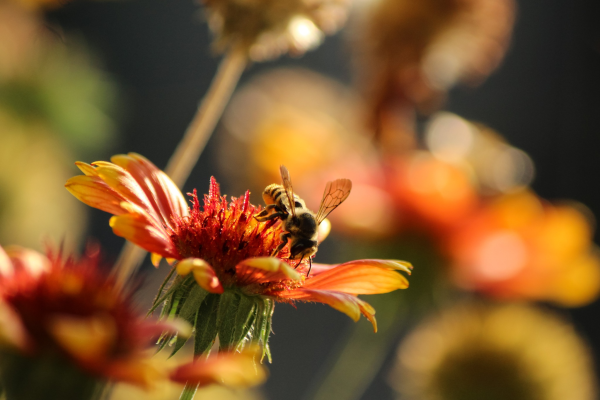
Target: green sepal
pixel 234 319
pixel 266 332
pixel 262 325
pixel 188 312
pixel 205 325
pixel 189 391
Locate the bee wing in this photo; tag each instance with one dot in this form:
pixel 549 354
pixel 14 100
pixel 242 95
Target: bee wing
pixel 287 185
pixel 335 194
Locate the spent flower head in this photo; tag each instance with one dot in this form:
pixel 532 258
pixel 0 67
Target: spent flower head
pixel 269 28
pixel 226 282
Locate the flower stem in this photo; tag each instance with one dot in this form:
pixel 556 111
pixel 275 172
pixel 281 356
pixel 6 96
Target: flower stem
pixel 193 142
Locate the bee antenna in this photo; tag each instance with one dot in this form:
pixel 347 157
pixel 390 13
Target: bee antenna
pixel 309 266
pixel 297 265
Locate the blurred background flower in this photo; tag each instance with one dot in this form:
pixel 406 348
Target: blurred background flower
pixel 490 351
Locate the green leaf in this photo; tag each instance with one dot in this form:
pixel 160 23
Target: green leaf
pixel 205 325
pixel 235 318
pixel 226 319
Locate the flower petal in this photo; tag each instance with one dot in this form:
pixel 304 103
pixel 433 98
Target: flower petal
pixel 123 183
pixel 94 192
pixel 12 330
pixel 361 277
pixel 231 369
pixel 349 304
pixel 85 338
pixel 139 371
pixel 165 196
pixel 137 228
pixel 204 275
pixel 33 262
pixel 6 266
pixel 264 269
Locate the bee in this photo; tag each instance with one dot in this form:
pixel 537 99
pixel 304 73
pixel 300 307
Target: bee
pixel 300 225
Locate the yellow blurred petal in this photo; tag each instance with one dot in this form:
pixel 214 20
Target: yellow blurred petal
pixel 12 331
pixel 230 369
pixel 6 267
pixel 30 260
pixel 87 339
pixel 155 258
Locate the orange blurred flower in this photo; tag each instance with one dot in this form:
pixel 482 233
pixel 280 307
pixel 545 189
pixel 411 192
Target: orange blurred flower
pixel 226 251
pixel 521 247
pixel 432 195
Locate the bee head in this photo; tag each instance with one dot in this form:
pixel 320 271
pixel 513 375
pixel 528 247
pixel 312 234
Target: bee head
pixel 301 248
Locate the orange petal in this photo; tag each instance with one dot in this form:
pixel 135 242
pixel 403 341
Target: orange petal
pixel 139 371
pixel 362 277
pixel 349 304
pixel 86 168
pixel 138 229
pixel 264 269
pixel 231 369
pixel 160 189
pixel 94 192
pixel 203 274
pixel 123 183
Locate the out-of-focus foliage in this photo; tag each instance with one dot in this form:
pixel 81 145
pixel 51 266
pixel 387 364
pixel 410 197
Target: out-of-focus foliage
pixel 53 104
pixel 476 351
pixel 50 81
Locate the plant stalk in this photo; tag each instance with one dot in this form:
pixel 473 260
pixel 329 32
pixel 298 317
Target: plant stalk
pixel 192 144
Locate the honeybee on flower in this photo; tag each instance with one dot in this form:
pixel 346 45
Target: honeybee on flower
pixel 300 224
pixel 226 280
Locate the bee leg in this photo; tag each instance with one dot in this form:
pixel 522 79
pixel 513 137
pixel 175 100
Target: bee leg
pixel 260 218
pixel 309 266
pixel 284 237
pixel 297 265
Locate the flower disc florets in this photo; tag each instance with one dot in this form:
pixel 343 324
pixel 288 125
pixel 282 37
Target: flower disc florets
pixel 225 234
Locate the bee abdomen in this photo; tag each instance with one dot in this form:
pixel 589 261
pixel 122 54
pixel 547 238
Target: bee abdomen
pixel 272 194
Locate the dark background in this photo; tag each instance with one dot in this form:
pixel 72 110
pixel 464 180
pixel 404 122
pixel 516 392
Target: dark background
pixel 543 99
